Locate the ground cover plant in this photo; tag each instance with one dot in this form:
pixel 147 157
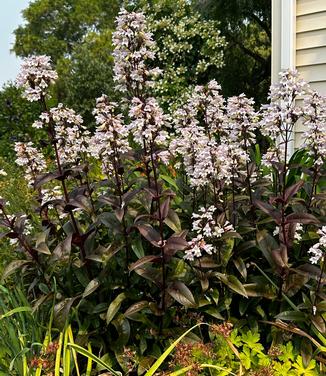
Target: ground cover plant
pixel 160 220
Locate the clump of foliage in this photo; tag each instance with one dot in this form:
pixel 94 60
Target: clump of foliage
pixel 239 351
pixel 246 26
pixel 189 49
pixel 15 114
pixel 153 221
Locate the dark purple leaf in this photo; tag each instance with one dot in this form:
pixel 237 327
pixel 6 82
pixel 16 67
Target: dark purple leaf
pixel 144 260
pixel 81 202
pixel 127 197
pixel 303 218
pixel 164 207
pixel 181 293
pixel 152 274
pixel 45 178
pixel 119 213
pixel 176 243
pixel 291 191
pixel 135 308
pixel 150 234
pixel 110 200
pixel 268 209
pixel 3 234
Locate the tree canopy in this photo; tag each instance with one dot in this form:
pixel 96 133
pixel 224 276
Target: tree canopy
pixel 55 27
pixel 246 25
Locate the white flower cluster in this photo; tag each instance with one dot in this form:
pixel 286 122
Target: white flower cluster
pixel 282 113
pixel 35 76
pixel 111 136
pixel 148 121
pixel 314 111
pixel 133 46
pixel 206 136
pixel 208 102
pixel 31 159
pixel 208 228
pixel 273 155
pixel 71 136
pixel 317 251
pixel 241 120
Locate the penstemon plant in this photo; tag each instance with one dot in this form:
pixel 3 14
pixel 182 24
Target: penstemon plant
pixel 156 219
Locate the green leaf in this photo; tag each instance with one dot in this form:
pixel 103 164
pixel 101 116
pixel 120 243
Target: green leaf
pixel 292 316
pixel 135 308
pixel 180 292
pixel 172 220
pixel 241 266
pixel 12 267
pixel 233 283
pixel 137 248
pixel 61 311
pixel 170 180
pixel 122 327
pixel 114 307
pixel 260 290
pixel 91 287
pixel 266 243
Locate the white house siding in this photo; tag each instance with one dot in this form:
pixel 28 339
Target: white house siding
pixel 307 40
pixel 310 57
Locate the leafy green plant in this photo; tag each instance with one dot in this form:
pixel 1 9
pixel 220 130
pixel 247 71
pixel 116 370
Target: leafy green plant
pixel 154 222
pixel 234 352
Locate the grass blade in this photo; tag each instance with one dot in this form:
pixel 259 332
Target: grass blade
pixel 15 310
pixel 167 352
pixel 74 355
pixel 58 356
pixel 94 358
pixel 89 361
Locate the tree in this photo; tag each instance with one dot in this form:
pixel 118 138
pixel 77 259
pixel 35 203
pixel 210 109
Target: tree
pixel 246 25
pixel 55 27
pixel 87 74
pixel 16 118
pixel 189 48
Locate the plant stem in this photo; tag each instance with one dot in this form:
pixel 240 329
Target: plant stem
pixel 160 218
pixel 119 181
pixel 51 132
pixel 283 226
pixel 319 281
pixel 233 217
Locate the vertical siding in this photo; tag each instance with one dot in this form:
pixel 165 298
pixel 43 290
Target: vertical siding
pixel 311 48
